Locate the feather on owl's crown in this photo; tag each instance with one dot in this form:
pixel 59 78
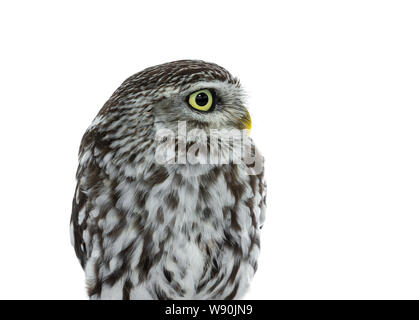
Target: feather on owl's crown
pixel 179 73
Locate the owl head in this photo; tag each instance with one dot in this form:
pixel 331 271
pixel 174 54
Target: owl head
pixel 202 95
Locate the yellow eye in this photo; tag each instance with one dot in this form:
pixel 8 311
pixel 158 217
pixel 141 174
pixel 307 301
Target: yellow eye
pixel 201 100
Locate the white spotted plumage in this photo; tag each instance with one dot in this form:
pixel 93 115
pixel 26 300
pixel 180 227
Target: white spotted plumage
pixel 148 230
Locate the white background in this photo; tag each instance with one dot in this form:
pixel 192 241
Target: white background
pixel 334 99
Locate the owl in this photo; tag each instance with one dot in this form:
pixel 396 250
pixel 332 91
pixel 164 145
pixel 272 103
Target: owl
pixel 170 195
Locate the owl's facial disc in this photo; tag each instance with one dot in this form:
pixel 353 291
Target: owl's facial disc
pixel 204 100
pixel 204 105
pixel 218 105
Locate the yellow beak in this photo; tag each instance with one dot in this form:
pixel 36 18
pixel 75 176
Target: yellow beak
pixel 247 122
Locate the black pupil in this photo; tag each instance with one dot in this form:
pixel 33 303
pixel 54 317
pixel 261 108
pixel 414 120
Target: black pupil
pixel 201 99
